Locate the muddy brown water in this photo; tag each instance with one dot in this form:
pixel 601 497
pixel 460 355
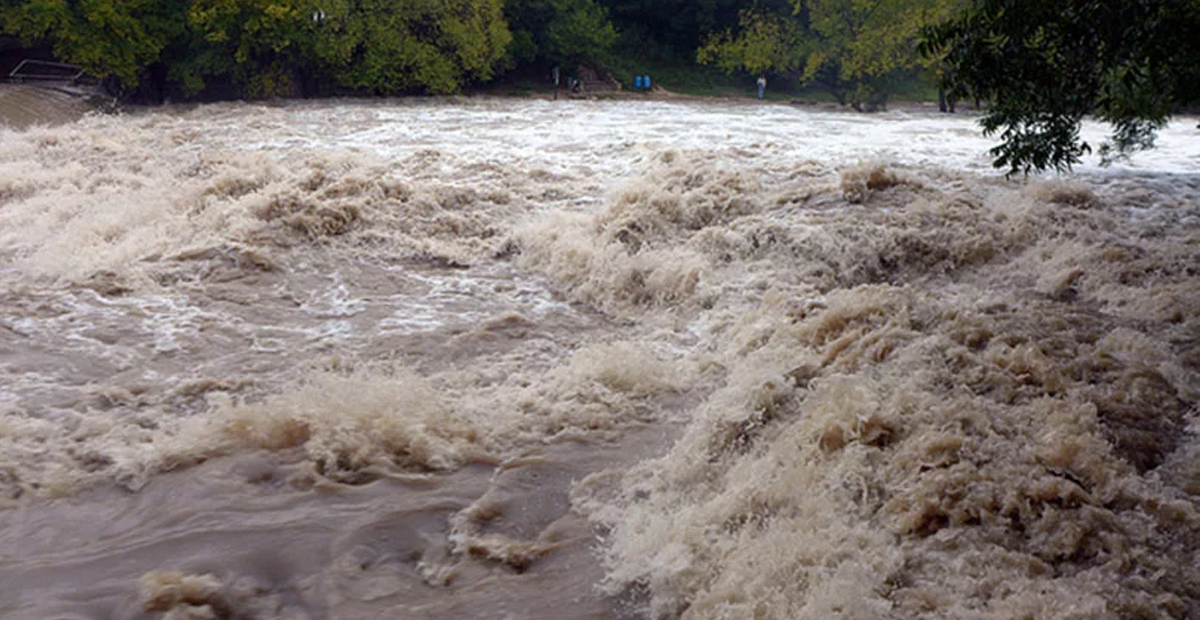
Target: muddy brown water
pixel 24 105
pixel 475 358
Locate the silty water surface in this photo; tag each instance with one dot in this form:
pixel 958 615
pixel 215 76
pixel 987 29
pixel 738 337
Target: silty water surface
pixel 349 359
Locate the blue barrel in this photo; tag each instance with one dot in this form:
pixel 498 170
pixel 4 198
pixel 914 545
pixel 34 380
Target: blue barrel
pixel 646 82
pixel 637 81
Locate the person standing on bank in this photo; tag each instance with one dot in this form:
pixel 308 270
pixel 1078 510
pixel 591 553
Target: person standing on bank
pixel 762 85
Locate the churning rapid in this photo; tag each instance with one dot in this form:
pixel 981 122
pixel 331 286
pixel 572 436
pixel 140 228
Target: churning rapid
pixel 529 359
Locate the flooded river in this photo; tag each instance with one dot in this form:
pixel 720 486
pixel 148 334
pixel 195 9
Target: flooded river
pixel 489 358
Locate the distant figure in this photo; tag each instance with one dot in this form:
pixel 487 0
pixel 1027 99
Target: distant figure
pixel 554 74
pixel 762 85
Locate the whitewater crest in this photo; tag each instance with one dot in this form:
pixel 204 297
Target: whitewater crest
pixel 930 406
pixel 433 359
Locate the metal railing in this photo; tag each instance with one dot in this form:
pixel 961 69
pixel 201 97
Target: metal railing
pixel 45 70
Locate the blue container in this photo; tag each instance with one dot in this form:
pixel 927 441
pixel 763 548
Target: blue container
pixel 637 82
pixel 646 82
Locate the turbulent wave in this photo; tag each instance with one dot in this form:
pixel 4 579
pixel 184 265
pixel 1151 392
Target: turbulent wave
pixel 430 341
pixel 941 398
pixel 136 207
pixel 158 242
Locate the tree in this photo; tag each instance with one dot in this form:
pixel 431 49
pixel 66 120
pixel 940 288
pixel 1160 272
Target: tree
pixel 256 45
pixel 764 42
pixel 560 31
pixel 261 46
pixel 858 50
pixel 673 29
pixel 1044 66
pixel 385 46
pixel 432 46
pixel 106 37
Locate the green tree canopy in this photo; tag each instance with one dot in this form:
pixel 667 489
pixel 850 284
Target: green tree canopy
pixel 675 28
pixel 856 49
pixel 1044 66
pixel 434 46
pixel 106 37
pixel 252 43
pixel 260 46
pixel 560 31
pixel 764 42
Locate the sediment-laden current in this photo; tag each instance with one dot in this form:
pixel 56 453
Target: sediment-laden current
pixel 525 359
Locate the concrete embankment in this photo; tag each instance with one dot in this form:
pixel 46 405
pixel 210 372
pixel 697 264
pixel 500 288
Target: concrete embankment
pixel 23 105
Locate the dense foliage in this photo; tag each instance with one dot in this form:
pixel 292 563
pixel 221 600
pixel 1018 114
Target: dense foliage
pixel 1043 66
pixel 107 37
pixel 559 31
pixel 859 50
pixel 263 47
pixel 674 28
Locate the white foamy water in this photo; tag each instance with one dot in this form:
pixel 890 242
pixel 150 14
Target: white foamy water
pixel 498 358
pixel 599 137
